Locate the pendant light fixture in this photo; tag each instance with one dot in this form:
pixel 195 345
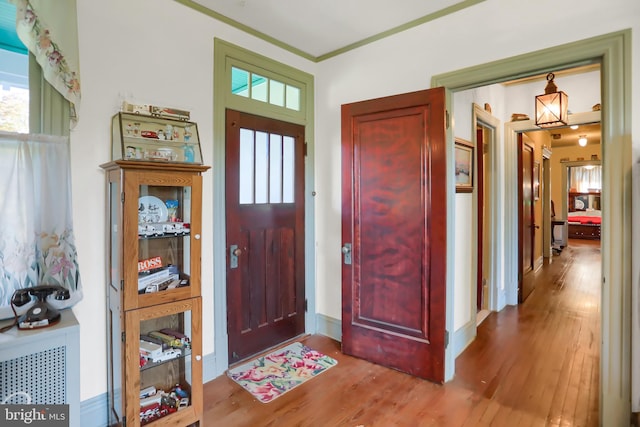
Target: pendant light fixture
pixel 582 141
pixel 551 108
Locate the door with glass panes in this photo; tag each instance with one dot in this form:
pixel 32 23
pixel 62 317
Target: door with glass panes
pixel 265 232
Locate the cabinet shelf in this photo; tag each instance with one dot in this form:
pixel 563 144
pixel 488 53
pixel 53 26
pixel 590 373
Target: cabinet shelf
pixel 151 365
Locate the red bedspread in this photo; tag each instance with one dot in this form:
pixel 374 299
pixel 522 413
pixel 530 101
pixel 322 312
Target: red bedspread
pixel 585 220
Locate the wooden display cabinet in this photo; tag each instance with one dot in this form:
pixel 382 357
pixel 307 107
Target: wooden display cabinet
pixel 154 306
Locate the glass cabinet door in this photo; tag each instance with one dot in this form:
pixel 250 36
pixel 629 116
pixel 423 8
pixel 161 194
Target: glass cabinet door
pixel 167 235
pixel 164 359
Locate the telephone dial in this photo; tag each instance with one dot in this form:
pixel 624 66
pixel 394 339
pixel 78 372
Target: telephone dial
pixel 40 314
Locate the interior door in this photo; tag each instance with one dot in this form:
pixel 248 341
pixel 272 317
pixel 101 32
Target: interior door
pixel 265 232
pixel 480 277
pixel 526 220
pixel 394 232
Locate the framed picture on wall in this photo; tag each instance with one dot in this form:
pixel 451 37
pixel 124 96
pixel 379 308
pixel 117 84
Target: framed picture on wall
pixel 536 180
pixel 464 166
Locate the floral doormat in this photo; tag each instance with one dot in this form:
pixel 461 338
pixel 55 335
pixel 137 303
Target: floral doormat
pixel 271 376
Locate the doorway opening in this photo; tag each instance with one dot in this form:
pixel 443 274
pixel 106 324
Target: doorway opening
pixel 612 50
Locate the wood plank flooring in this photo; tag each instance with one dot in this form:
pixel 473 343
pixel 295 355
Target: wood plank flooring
pixel 536 364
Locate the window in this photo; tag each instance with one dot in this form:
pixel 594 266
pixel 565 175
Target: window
pixel 267 167
pixel 260 88
pixel 14 74
pixel 585 179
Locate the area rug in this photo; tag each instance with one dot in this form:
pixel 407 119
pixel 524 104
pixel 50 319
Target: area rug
pixel 269 377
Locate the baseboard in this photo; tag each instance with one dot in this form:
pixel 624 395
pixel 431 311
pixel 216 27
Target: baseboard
pixel 329 327
pixel 209 368
pixel 94 412
pixel 463 337
pixel 537 265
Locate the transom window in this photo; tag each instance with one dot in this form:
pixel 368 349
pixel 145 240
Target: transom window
pixel 260 88
pixel 267 167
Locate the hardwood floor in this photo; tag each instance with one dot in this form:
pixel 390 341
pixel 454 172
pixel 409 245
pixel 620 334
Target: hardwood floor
pixel 536 364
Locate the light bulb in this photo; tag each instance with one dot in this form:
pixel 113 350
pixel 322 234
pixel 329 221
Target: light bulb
pixel 582 141
pixel 574 127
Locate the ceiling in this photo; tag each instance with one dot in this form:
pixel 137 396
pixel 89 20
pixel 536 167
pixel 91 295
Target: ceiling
pixel 319 29
pixel 567 137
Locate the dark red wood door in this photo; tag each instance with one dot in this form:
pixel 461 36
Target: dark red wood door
pixel 526 220
pixel 394 232
pixel 265 232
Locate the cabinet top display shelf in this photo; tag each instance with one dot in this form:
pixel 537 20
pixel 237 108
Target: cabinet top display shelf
pixel 141 137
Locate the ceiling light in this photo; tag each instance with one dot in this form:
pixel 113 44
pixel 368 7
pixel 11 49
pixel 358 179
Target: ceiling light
pixel 582 141
pixel 574 127
pixel 551 108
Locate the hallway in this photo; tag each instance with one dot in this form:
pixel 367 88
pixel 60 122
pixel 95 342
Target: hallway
pixel 532 365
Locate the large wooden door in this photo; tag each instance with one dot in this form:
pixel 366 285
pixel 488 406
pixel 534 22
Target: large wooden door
pixel 265 232
pixel 394 232
pixel 526 221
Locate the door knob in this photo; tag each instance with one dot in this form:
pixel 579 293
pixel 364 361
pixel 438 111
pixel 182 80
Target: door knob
pixel 346 251
pixel 234 253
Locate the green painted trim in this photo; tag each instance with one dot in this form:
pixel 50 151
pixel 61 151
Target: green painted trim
pixel 219 17
pixel 225 55
pixel 400 28
pixel 613 52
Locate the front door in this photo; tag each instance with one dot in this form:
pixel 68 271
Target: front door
pixel 394 232
pixel 526 220
pixel 265 232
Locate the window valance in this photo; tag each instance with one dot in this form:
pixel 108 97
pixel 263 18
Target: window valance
pixel 49 30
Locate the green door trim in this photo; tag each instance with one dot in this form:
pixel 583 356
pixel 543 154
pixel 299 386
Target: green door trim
pixel 225 55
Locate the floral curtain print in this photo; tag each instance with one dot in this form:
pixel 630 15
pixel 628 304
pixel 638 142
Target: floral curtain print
pixel 54 48
pixel 36 236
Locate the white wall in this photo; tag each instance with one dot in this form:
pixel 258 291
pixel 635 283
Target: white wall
pixel 153 51
pixel 161 52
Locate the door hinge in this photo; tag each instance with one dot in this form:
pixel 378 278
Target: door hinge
pixel 446 338
pixel 446 121
pixel 122 197
pixel 124 421
pixel 305 149
pixel 122 284
pixel 122 336
pixel 306 305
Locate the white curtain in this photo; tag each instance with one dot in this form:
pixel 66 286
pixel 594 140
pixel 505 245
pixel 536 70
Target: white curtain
pixel 585 178
pixel 36 234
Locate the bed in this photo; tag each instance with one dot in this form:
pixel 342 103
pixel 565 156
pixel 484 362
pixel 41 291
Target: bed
pixel 584 224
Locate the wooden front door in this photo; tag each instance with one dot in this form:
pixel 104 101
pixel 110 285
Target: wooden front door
pixel 265 232
pixel 526 221
pixel 394 232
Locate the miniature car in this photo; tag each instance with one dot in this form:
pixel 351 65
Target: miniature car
pixel 167 355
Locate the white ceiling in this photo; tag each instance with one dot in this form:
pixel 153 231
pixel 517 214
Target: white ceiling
pixel 321 27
